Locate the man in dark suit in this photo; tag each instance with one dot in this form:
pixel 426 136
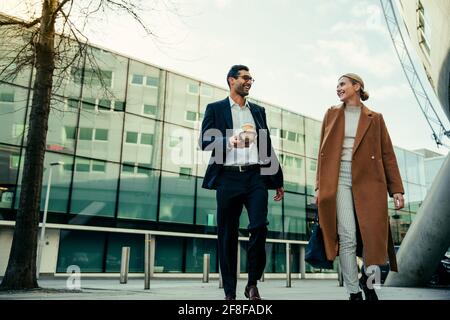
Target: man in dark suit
pixel 242 168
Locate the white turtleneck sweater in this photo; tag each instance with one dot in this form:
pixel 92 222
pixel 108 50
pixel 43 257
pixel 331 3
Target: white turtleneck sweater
pixel 352 114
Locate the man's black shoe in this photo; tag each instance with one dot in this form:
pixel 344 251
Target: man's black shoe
pixel 251 292
pixel 356 296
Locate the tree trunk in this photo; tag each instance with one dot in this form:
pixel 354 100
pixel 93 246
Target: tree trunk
pixel 21 270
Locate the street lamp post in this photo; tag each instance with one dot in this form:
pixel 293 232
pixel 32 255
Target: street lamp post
pixel 44 219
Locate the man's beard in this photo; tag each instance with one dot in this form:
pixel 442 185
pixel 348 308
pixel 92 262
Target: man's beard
pixel 242 93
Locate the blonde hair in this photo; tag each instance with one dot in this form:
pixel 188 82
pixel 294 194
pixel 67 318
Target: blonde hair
pixel 364 95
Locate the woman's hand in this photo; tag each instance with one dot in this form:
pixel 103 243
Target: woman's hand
pixel 398 201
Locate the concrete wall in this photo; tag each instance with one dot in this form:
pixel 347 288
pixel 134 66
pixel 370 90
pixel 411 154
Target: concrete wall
pixel 49 255
pixel 6 235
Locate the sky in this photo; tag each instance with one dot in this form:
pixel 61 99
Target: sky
pixel 295 49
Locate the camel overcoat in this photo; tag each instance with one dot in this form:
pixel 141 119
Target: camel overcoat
pixel 374 174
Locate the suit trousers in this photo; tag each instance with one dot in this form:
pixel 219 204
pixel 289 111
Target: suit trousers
pixel 235 190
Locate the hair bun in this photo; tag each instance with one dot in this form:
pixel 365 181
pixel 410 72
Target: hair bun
pixel 364 95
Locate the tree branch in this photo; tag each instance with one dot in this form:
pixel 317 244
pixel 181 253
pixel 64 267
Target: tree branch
pixel 21 23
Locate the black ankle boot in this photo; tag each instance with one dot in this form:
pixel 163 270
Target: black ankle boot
pixel 369 294
pixel 356 296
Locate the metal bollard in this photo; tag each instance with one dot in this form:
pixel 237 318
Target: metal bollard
pixel 206 257
pixel 220 280
pixel 262 277
pixel 302 262
pixel 124 265
pixel 288 265
pixel 147 266
pixel 238 273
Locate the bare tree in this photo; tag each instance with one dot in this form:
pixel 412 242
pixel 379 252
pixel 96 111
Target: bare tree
pixel 53 55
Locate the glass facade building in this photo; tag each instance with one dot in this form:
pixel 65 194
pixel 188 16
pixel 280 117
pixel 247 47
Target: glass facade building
pixel 128 139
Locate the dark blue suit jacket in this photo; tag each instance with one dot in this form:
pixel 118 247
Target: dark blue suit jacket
pixel 218 119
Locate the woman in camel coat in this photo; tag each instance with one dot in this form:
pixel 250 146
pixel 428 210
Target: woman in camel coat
pixel 356 169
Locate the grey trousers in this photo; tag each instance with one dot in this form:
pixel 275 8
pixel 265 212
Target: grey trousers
pixel 346 228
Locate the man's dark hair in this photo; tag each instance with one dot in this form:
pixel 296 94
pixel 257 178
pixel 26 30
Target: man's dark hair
pixel 234 71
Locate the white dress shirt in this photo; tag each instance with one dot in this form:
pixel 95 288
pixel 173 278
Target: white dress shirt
pixel 241 156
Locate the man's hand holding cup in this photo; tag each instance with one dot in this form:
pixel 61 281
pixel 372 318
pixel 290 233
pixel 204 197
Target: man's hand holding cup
pixel 248 134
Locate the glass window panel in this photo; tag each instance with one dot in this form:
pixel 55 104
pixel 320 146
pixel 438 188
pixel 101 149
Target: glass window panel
pixel 432 167
pixel 88 103
pixel 202 158
pixel 400 222
pixel 206 90
pixel 243 250
pixel 185 171
pixel 182 96
pixel 94 192
pixel 147 138
pixel 84 249
pixel 312 137
pixel 274 213
pixel 101 134
pixel 72 103
pixel 191 116
pixel 106 71
pixel 12 40
pixel 146 100
pixel 206 206
pixel 273 115
pixel 177 198
pixel 148 152
pixel 104 120
pixel 114 252
pixel 86 133
pixel 132 137
pixel 412 167
pixel 293 133
pixel 293 171
pixel 169 254
pixel 179 148
pixel 70 132
pixel 98 166
pixel 7 97
pixel 210 94
pixel 83 165
pixel 128 167
pixel 104 104
pixel 137 79
pixel 12 114
pixel 152 81
pixel 311 169
pixel 9 167
pixel 62 128
pixel 60 184
pixel 415 197
pixel 149 110
pixel 276 257
pixel 195 250
pixel 119 105
pixel 243 220
pixel 138 195
pixel 295 214
pixel 401 161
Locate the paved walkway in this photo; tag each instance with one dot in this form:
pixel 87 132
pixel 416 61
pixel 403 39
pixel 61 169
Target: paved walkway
pixel 189 289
